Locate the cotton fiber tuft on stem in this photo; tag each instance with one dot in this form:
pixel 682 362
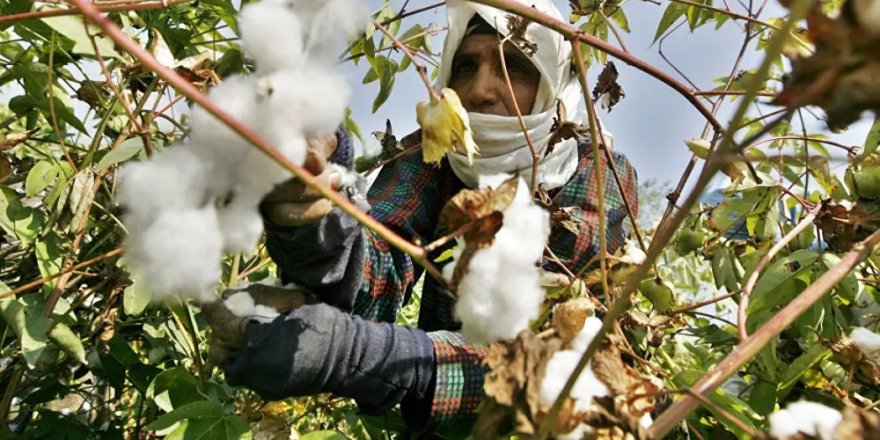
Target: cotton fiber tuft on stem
pixel 868 343
pixel 187 206
pixel 805 417
pixel 501 291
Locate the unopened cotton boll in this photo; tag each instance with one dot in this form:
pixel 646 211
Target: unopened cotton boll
pixel 868 343
pixel 180 252
pixel 560 367
pixel 501 292
pixel 273 35
pixel 805 417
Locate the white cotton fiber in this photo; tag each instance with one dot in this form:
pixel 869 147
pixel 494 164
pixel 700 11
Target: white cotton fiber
pixel 562 365
pixel 240 224
pixel 173 179
pixel 501 292
pixel 559 369
pixel 241 304
pixel 293 99
pixel 188 205
pixel 179 252
pixel 272 35
pixel 588 332
pixel 868 343
pixel 809 418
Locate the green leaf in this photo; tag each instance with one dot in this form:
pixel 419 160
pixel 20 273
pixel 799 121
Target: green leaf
pixel 386 84
pixel 873 139
pixel 174 388
pixel 778 284
pixel 135 298
pixel 124 151
pixel 192 410
pixel 799 366
pixel 21 221
pixel 763 397
pixel 69 342
pixel 672 13
pixel 725 269
pixel 81 196
pixel 323 435
pixel 39 177
pixel 72 27
pixel 49 258
pixel 28 324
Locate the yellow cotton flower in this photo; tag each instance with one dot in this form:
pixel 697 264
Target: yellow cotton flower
pixel 445 127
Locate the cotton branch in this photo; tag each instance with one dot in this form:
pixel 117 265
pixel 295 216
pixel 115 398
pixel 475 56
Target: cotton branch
pixel 765 260
pixel 127 6
pixel 186 88
pixel 570 32
pixel 750 348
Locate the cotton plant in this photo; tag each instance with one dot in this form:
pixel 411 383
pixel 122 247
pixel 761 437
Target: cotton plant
pixel 189 205
pixel 500 292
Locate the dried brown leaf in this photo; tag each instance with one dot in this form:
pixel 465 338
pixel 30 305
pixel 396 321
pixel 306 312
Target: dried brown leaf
pixel 607 85
pixel 5 168
pixel 516 27
pixel 858 424
pixel 568 317
pixel 849 356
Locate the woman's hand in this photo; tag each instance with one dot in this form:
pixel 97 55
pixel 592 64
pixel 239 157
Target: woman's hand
pixel 292 202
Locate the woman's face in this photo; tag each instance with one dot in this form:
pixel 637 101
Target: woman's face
pixel 478 77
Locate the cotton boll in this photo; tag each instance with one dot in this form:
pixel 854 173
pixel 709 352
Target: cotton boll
pixel 240 224
pixel 239 97
pixel 241 304
pixel 587 334
pixel 180 251
pixel 313 99
pixel 501 291
pixel 327 23
pixel 560 367
pixel 868 343
pixel 273 35
pixel 809 418
pixel 174 179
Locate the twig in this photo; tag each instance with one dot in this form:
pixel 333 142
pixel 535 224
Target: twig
pixel 750 347
pixel 700 304
pixel 188 90
pixel 727 12
pixel 519 117
pixel 41 281
pixel 570 32
pixel 9 394
pixel 423 72
pixel 730 93
pixel 127 6
pixel 763 262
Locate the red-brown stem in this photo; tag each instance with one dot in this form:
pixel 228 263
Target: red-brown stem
pixel 730 93
pixel 522 123
pixel 849 148
pixel 727 12
pixel 127 6
pixel 696 306
pixel 750 348
pixel 423 73
pixel 572 33
pixel 41 281
pixel 741 317
pixel 187 89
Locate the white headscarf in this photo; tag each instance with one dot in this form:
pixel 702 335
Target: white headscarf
pixel 503 147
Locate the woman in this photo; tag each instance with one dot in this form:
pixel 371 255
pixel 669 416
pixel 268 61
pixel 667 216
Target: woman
pixel 349 347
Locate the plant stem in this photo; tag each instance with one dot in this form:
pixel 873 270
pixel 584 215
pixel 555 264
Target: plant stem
pixel 522 123
pixel 41 281
pixel 418 255
pixel 572 33
pixel 128 6
pixel 750 348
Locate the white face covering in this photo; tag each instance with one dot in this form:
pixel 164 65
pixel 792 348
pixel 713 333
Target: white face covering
pixel 503 146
